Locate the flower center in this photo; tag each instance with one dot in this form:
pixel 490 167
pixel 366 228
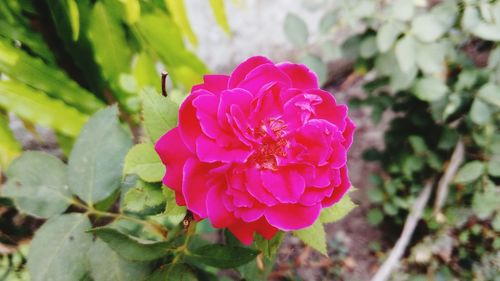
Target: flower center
pixel 272 144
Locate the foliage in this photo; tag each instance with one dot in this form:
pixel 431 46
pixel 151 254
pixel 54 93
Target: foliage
pixel 436 65
pixel 112 190
pixel 61 61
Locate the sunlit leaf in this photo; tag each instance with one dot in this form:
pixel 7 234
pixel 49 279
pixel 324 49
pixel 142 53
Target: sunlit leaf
pixel 38 108
pixel 469 172
pixel 159 113
pixel 314 236
pixel 9 146
pixel 143 160
pixel 220 14
pixel 178 11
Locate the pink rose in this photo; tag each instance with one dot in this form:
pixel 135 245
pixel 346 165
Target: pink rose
pixel 260 150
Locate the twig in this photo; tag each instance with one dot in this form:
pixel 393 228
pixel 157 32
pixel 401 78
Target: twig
pixel 411 223
pixel 164 75
pixel 456 160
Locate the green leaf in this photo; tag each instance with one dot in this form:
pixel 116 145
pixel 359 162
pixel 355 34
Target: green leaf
pixel 494 167
pixel 430 89
pixel 38 185
pixel 130 248
pixel 142 197
pixel 486 201
pixel 375 216
pixel 145 74
pixel 296 30
pixel 220 15
pixel 469 172
pixel 480 112
pixel 95 164
pixel 58 251
pixel 106 265
pixel 317 66
pixel 132 10
pixel 405 53
pixel 269 247
pixel 368 47
pixel 173 272
pixel 143 160
pixel 178 11
pixel 223 256
pixel 418 144
pixel 172 208
pixel 109 42
pixel 430 57
pixel 182 65
pixel 327 22
pixel 314 236
pixel 427 27
pixel 74 17
pixel 9 146
pixel 338 210
pixel 36 107
pixel 387 35
pixel 490 93
pixel 34 72
pixel 159 113
pixel 402 10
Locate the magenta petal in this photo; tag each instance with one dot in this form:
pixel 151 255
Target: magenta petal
pixel 213 83
pixel 228 98
pixel 209 151
pixel 300 75
pixel 173 153
pixel 196 186
pixel 348 133
pixel 339 155
pixel 340 190
pixel 329 110
pixel 313 196
pixel 206 112
pixel 287 186
pixel 263 75
pixel 250 214
pixel 188 123
pixel 257 190
pixel 217 213
pixel 244 68
pixel 292 216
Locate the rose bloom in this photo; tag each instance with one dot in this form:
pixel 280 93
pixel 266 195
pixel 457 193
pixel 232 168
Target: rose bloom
pixel 261 150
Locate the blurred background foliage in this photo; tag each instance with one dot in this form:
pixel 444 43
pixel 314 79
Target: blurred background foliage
pixel 61 61
pixel 432 68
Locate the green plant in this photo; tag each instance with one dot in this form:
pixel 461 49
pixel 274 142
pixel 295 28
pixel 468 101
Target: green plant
pixel 61 61
pixel 435 64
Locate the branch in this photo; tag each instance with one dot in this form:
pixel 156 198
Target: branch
pixel 411 223
pixel 444 183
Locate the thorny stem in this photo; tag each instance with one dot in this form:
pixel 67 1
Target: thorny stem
pixel 190 227
pixel 156 228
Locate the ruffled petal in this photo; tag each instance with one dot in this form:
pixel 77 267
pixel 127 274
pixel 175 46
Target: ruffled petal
pixel 292 216
pixel 189 125
pixel 209 151
pixel 286 185
pixel 263 75
pixel 173 153
pixel 339 190
pixel 196 184
pixel 301 76
pixel 228 98
pixel 257 190
pixel 245 231
pixel 213 83
pixel 348 133
pixel 329 110
pixel 217 213
pixel 244 68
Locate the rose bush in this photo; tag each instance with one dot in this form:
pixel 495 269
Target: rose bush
pixel 261 150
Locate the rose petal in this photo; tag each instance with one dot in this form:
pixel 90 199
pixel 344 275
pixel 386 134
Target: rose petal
pixel 213 83
pixel 340 190
pixel 300 75
pixel 239 97
pixel 244 231
pixel 292 216
pixel 217 213
pixel 196 184
pixel 189 125
pixel 286 185
pixel 173 153
pixel 209 151
pixel 329 110
pixel 257 190
pixel 244 68
pixel 262 75
pixel 348 133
